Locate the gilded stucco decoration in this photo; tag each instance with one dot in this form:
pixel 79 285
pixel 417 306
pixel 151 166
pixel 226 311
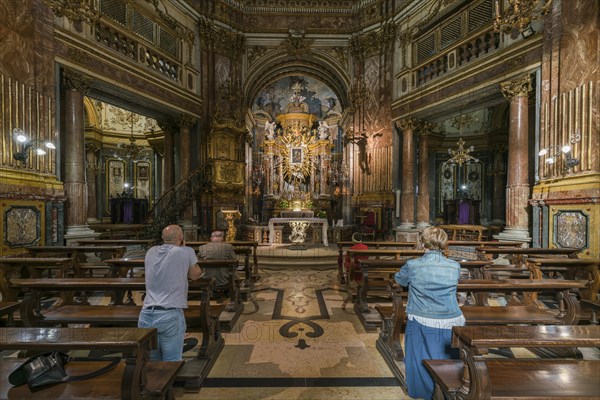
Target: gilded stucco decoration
pixel 76 81
pixel 296 44
pixel 220 40
pixel 519 87
pixel 255 53
pixel 74 10
pixel 372 43
pixel 22 225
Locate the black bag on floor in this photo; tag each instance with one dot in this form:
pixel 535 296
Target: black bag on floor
pixel 49 368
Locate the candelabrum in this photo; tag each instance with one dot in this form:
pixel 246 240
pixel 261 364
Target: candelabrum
pixel 520 15
pixel 24 144
pixel 461 155
pixel 553 152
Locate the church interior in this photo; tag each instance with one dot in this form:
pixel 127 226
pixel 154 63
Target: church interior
pixel 299 128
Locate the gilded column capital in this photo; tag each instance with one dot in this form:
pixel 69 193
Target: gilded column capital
pixel 168 125
pixel 409 124
pixel 74 80
pixel 517 88
pixel 426 128
pixel 187 121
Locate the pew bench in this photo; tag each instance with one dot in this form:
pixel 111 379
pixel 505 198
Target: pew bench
pixel 375 275
pixel 13 268
pixel 83 264
pixel 571 268
pixel 518 255
pixel 8 308
pixel 123 267
pixel 201 318
pixel 519 310
pixel 135 377
pixel 478 377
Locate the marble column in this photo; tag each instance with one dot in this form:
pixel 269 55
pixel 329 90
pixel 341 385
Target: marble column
pixel 407 211
pixel 92 169
pixel 424 178
pixel 499 192
pixel 185 124
pixel 76 85
pixel 168 128
pixel 517 180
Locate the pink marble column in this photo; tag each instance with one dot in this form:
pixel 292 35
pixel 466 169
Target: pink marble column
pixel 168 162
pixel 185 125
pixel 92 168
pixel 407 212
pixel 517 185
pixel 499 193
pixel 76 85
pixel 424 178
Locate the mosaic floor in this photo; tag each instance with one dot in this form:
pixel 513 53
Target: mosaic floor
pixel 299 344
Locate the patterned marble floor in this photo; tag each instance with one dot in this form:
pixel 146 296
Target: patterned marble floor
pixel 299 344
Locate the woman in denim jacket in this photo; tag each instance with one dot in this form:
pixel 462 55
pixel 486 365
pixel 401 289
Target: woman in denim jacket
pixel 432 310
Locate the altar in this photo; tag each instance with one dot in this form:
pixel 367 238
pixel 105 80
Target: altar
pixel 299 226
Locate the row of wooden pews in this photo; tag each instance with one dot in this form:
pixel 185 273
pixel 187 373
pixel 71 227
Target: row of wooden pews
pixel 478 377
pixel 135 377
pixel 74 292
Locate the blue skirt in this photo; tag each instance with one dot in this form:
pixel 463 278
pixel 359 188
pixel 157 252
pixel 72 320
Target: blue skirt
pixel 424 343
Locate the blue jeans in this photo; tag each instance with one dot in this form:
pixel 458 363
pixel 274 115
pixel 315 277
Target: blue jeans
pixel 171 327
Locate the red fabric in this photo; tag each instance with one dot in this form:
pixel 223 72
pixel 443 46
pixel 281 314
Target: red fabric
pixel 348 261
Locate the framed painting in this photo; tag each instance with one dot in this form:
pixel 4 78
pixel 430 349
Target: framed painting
pixel 296 155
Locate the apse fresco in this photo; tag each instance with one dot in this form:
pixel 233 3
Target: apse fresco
pixel 321 100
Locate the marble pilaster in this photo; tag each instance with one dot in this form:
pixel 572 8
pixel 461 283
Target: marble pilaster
pixel 407 211
pixel 76 85
pixel 517 181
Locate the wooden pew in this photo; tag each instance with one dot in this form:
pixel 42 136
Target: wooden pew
pixel 519 255
pixel 464 232
pixel 131 379
pixel 118 231
pixel 120 268
pixel 12 268
pixel 8 308
pixel 238 244
pixel 462 250
pixel 571 268
pixel 517 311
pixel 477 377
pixel 80 255
pixel 200 318
pixel 374 282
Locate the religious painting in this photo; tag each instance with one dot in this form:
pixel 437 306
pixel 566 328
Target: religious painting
pixel 142 181
pixel 296 156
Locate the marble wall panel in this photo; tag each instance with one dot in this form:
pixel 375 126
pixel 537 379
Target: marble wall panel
pixel 22 224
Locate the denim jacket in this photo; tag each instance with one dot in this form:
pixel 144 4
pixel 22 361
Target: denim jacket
pixel 432 281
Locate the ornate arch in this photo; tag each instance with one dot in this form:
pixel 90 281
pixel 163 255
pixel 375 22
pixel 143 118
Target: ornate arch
pixel 279 64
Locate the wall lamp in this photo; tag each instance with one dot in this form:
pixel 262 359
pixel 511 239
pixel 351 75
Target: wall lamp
pixel 26 143
pixel 554 151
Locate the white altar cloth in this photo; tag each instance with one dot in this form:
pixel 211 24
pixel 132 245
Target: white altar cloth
pixel 322 221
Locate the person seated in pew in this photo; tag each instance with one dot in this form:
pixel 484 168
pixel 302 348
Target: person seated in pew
pixel 432 310
pixel 349 262
pixel 217 250
pixel 167 268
